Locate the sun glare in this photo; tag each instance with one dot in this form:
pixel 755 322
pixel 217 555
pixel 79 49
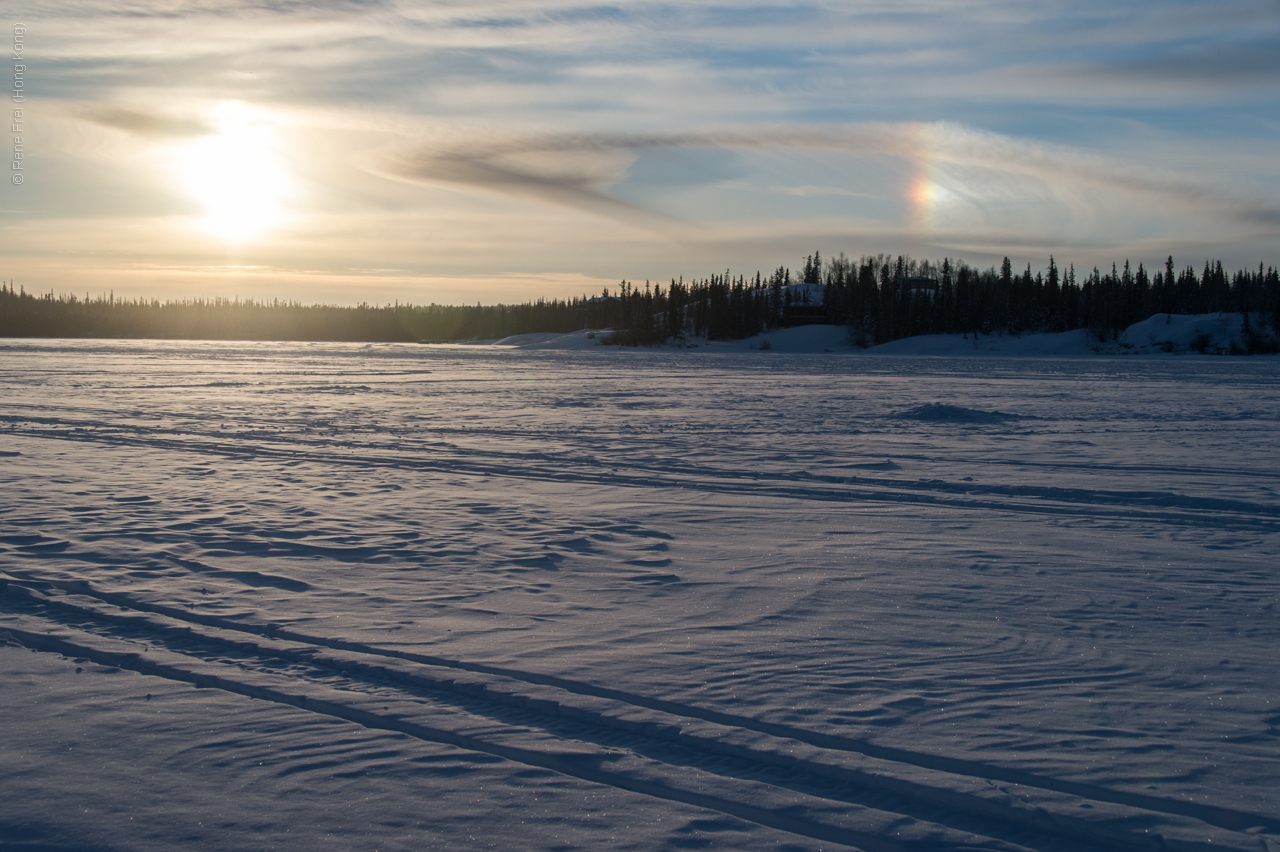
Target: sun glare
pixel 238 176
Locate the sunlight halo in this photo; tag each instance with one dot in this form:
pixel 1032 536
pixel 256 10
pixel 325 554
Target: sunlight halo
pixel 239 175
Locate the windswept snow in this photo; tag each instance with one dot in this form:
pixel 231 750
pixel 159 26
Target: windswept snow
pixel 414 597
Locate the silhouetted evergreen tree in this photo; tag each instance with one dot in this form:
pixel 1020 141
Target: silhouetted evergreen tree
pixel 879 298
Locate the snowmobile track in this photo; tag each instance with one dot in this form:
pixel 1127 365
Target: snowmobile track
pixel 824 787
pixel 1143 506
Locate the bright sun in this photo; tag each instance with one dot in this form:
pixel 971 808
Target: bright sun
pixel 238 176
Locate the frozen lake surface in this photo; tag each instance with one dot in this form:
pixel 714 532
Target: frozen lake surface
pixel 301 596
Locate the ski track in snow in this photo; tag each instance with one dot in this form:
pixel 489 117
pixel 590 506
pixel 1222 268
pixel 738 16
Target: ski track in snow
pixel 787 601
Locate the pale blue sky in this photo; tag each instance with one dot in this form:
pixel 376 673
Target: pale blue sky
pixel 506 150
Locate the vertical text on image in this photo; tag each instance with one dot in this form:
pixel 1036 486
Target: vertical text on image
pixel 19 98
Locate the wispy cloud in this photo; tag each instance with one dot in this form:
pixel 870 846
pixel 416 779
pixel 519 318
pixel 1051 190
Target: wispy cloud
pixel 707 132
pixel 147 123
pixel 577 170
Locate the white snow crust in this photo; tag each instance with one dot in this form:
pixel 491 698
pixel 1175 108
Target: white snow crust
pixel 301 596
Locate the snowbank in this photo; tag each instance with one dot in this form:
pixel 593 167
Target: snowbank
pixel 1161 335
pixel 800 340
pixel 938 412
pixel 1068 343
pixel 1209 333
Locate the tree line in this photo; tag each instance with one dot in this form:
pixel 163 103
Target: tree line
pixel 24 314
pixel 889 299
pixel 880 298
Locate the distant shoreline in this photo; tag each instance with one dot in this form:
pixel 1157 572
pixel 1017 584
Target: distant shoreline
pixel 1162 335
pixel 878 299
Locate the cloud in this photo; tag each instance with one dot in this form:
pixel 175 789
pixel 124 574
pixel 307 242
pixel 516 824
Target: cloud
pixel 1063 166
pixel 148 124
pixel 706 133
pixel 1252 62
pixel 663 64
pixel 578 170
pixel 564 169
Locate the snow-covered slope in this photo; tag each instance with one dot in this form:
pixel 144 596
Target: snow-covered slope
pixel 802 339
pixel 1178 333
pixel 1161 335
pixel 1078 343
pixel 302 596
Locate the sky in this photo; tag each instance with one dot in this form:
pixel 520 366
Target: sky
pixel 494 150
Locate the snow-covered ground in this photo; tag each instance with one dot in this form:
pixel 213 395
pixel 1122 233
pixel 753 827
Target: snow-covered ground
pixel 301 596
pixel 1161 335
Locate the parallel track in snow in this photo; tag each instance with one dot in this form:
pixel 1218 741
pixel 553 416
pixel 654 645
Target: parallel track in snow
pixel 828 788
pixel 1159 506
